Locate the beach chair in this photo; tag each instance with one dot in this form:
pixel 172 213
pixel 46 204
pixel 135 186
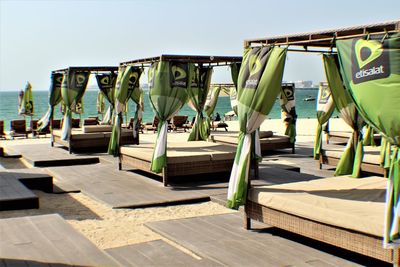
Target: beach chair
pixel 76 123
pixel 130 125
pixel 56 124
pixel 219 124
pixel 18 129
pixel 2 133
pixel 91 121
pixel 179 122
pixel 33 128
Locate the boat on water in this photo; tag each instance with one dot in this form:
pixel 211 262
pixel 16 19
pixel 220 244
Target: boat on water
pixel 309 98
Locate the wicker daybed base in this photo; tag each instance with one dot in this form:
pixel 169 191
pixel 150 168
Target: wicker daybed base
pixel 213 161
pixel 269 144
pixel 92 141
pixel 325 213
pixel 371 164
pixel 351 240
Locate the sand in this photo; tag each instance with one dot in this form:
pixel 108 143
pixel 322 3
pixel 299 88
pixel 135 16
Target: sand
pixel 108 228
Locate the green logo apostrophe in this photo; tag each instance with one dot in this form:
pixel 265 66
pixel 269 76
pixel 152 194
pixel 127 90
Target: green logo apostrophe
pixel 80 78
pixel 288 92
pixel 133 78
pixel 178 73
pixel 367 51
pixel 105 80
pixel 254 65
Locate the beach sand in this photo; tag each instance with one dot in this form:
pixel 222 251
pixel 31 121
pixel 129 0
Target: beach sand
pixel 107 227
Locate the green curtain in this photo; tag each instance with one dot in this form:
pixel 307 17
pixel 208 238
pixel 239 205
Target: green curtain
pixel 288 106
pixel 168 83
pixel 371 71
pixel 72 90
pixel 126 85
pixel 325 108
pixel 25 98
pixel 100 103
pixel 259 84
pixel 54 100
pixel 351 159
pixel 211 102
pixel 137 97
pixel 197 95
pixel 235 67
pixel 106 83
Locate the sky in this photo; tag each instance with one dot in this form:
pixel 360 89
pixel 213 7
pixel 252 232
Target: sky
pixel 37 37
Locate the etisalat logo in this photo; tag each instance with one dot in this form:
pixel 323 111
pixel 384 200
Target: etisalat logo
pixel 179 75
pixel 325 95
pixel 80 79
pixel 288 90
pixel 369 61
pixel 133 78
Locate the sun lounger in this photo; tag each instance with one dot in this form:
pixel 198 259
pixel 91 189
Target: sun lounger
pixel 18 129
pixel 219 124
pixel 179 122
pixel 92 138
pixel 186 158
pixel 331 155
pixel 56 124
pixel 341 211
pixel 91 121
pixel 268 141
pixel 2 133
pixel 34 129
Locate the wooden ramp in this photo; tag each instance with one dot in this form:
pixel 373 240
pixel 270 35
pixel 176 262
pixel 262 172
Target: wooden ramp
pixel 43 155
pixel 48 239
pixel 156 253
pixel 15 188
pixel 222 239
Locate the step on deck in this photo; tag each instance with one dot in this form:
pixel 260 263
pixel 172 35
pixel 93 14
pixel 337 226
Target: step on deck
pixel 48 239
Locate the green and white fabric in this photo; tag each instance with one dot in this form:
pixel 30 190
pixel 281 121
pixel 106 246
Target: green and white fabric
pixel 288 106
pixel 127 84
pixel 371 71
pixel 26 107
pixel 197 96
pixel 72 90
pixel 54 100
pixel 325 108
pixel 211 102
pixel 106 83
pixel 168 83
pixel 137 97
pixel 351 159
pixel 259 84
pixel 100 103
pixel 368 136
pixel 235 67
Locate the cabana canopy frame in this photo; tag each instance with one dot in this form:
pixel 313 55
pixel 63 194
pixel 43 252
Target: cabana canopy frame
pixel 211 60
pixel 323 39
pixel 90 68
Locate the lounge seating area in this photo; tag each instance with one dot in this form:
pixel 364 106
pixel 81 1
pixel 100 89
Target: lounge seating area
pixel 91 138
pixel 341 211
pixel 331 155
pixel 187 158
pixel 268 141
pixel 18 129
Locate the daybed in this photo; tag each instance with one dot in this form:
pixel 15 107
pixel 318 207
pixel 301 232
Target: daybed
pixel 342 211
pixel 186 158
pixel 341 137
pixel 2 133
pixel 331 155
pixel 268 141
pixel 18 129
pixel 92 137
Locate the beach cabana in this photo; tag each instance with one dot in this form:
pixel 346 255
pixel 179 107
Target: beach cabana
pixel 175 80
pixel 68 86
pixel 350 213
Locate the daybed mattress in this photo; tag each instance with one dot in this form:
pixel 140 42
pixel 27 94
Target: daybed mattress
pixel 233 139
pixel 355 204
pixel 183 152
pixel 78 134
pixel 371 153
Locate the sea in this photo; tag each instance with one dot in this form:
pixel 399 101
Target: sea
pixel 9 106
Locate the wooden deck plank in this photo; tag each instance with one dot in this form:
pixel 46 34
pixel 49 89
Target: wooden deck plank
pixel 14 195
pixel 222 238
pixel 48 239
pixel 155 253
pixel 43 155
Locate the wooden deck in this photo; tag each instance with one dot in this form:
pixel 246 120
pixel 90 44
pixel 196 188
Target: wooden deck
pixel 43 155
pixel 156 253
pixel 47 239
pixel 221 238
pixel 15 188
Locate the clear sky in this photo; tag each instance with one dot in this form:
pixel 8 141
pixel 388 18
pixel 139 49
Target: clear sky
pixel 37 37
